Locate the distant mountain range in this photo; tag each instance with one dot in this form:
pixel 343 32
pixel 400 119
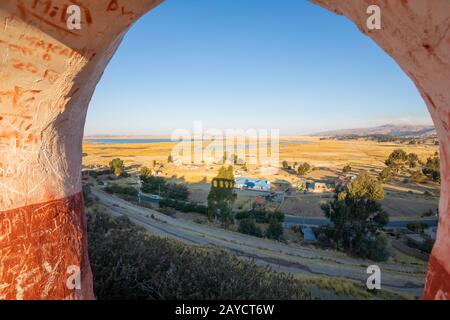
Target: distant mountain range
pixel 388 129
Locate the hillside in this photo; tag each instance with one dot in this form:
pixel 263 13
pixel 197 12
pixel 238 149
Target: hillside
pixel 389 129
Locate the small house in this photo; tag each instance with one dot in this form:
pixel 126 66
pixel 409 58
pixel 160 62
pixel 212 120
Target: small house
pixel 252 184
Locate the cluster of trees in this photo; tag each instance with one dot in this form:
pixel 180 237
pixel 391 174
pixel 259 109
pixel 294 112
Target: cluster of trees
pixel 417 226
pixel 358 219
pixel 221 197
pixel 127 263
pixel 116 189
pixel 248 226
pixel 183 206
pixel 117 167
pixel 248 220
pixel 302 168
pixel 159 185
pixel 385 138
pixel 399 161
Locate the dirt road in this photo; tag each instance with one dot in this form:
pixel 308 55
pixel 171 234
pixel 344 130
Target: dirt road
pixel 400 278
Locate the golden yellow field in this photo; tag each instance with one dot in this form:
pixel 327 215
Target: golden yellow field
pixel 328 154
pixel 327 157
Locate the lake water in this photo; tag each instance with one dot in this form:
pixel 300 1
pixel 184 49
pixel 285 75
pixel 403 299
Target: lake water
pixel 130 141
pixel 126 141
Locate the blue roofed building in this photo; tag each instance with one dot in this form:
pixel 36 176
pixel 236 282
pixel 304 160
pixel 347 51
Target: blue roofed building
pixel 308 234
pixel 252 184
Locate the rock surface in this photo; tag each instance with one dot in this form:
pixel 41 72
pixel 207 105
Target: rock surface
pixel 416 34
pixel 48 74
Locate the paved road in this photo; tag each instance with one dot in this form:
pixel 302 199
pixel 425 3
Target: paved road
pixel 281 257
pixel 399 224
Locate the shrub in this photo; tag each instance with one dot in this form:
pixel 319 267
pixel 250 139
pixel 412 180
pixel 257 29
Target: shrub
pixel 416 226
pixel 385 174
pixel 432 168
pixel 152 184
pixel 182 205
pixel 358 218
pixel 116 166
pixel 375 249
pixel 241 215
pixel 176 191
pixel 347 168
pixel 275 230
pixel 116 189
pixel 249 227
pixel 127 263
pixel 303 168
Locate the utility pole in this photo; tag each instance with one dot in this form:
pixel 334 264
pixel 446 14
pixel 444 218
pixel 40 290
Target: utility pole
pixel 139 190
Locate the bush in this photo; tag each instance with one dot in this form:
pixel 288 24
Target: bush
pixel 416 226
pixel 249 227
pixel 358 218
pixel 303 168
pixel 241 215
pixel 116 189
pixel 116 166
pixel 432 168
pixel 176 191
pixel 152 184
pixel 127 263
pixel 347 168
pixel 275 230
pixel 385 174
pixel 375 249
pixel 183 206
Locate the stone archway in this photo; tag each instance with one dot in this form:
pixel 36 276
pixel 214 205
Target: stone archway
pixel 47 77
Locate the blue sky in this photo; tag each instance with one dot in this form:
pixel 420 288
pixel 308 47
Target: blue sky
pixel 261 64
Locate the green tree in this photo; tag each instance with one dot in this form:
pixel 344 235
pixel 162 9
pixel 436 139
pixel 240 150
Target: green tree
pixel 275 230
pixel 116 166
pixel 432 168
pixel 413 160
pixel 365 187
pixel 145 173
pixel 248 226
pixel 285 164
pixel 347 168
pixel 153 184
pixel 176 191
pixel 358 218
pixel 397 159
pixel 304 168
pixel 385 174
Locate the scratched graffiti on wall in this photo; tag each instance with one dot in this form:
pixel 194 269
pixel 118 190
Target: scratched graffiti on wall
pixel 46 277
